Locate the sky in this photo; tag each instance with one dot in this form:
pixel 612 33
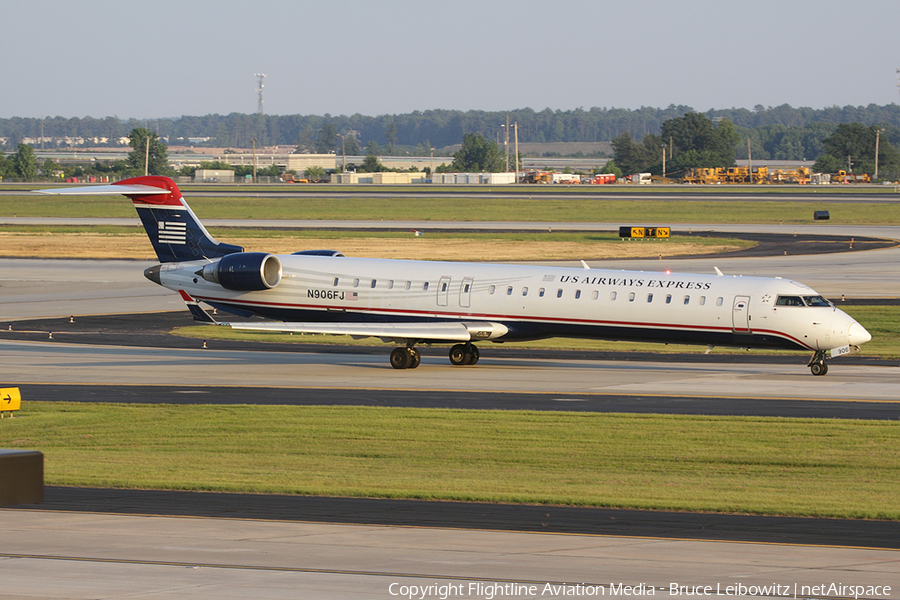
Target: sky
pixel 168 58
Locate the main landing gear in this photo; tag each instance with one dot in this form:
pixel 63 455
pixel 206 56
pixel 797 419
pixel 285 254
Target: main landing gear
pixel 409 357
pixel 464 354
pixel 817 364
pixel 405 358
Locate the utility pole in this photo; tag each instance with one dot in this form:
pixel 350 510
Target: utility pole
pixel 516 125
pixel 749 162
pixel 506 143
pixel 147 156
pixel 877 138
pixel 664 161
pixel 254 160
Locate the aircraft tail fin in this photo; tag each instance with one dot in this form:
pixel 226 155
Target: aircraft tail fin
pixel 174 230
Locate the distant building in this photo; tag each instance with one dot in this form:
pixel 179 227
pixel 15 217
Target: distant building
pixel 287 162
pixel 388 177
pixel 213 176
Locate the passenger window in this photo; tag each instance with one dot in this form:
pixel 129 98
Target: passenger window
pixel 595 295
pixel 577 294
pixel 491 290
pixel 524 291
pixel 466 289
pixel 374 281
pixel 559 293
pixel 668 298
pixel 719 301
pixel 509 291
pixel 631 297
pixel 444 287
pixel 335 282
pixel 541 292
pixel 702 300
pixel 687 300
pixel 356 283
pixel 391 284
pixel 649 297
pixel 408 285
pixel 612 296
pixel 425 286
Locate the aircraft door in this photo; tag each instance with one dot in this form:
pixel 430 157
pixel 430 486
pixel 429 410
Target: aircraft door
pixel 465 292
pixel 443 291
pixel 740 313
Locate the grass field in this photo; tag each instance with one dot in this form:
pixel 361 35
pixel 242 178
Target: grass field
pixel 131 242
pixel 765 209
pixel 833 468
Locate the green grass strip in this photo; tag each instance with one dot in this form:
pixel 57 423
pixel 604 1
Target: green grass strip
pixel 765 209
pixel 829 468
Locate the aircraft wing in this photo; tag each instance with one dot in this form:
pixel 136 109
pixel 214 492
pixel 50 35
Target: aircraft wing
pixel 450 331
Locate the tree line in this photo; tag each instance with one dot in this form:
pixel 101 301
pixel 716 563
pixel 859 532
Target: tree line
pixel 693 140
pixel 781 133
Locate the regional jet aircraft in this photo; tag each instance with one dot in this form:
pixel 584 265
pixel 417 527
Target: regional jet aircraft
pixel 419 302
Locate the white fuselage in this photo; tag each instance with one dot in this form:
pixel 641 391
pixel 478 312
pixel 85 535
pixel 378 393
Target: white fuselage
pixel 536 302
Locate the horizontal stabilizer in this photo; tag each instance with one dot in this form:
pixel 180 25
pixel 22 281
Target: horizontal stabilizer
pixel 105 190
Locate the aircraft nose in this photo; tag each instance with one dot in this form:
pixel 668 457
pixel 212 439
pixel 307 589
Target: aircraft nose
pixel 857 334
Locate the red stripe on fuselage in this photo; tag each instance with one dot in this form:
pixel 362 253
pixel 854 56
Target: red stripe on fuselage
pixel 507 318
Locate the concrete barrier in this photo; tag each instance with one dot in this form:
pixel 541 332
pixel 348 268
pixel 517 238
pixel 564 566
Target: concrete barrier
pixel 21 477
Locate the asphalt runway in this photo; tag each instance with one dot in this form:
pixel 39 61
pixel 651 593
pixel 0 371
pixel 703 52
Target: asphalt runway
pixel 88 543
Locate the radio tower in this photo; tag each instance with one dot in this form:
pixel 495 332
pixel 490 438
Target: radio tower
pixel 259 90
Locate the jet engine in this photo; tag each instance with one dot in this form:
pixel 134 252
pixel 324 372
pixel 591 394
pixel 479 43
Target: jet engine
pixel 244 271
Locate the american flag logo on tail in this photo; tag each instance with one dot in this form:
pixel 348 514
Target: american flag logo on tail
pixel 172 232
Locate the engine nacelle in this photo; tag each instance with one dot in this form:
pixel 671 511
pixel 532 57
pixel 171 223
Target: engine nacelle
pixel 244 271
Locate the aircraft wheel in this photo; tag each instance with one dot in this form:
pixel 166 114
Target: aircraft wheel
pixel 458 355
pixel 818 369
pixel 473 354
pixel 401 358
pixel 415 358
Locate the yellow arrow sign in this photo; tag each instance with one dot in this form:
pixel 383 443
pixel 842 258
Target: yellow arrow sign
pixel 10 399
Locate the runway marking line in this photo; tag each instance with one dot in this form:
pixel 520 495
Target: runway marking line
pixel 470 391
pixel 425 527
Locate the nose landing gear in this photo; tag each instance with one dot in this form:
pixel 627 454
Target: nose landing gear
pixel 817 364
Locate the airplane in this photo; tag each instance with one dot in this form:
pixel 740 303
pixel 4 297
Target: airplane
pixel 411 302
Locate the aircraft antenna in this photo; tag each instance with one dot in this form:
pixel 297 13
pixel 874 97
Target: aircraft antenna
pixel 259 92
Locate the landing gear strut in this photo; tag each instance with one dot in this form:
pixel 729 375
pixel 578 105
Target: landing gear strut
pixel 817 364
pixel 405 358
pixel 464 354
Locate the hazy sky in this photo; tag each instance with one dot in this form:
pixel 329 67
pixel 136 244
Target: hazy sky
pixel 167 58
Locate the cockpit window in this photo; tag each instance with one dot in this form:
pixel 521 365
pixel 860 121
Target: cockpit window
pixel 816 301
pixel 802 301
pixel 789 301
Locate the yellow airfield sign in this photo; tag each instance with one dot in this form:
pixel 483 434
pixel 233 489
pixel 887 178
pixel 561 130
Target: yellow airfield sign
pixel 10 400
